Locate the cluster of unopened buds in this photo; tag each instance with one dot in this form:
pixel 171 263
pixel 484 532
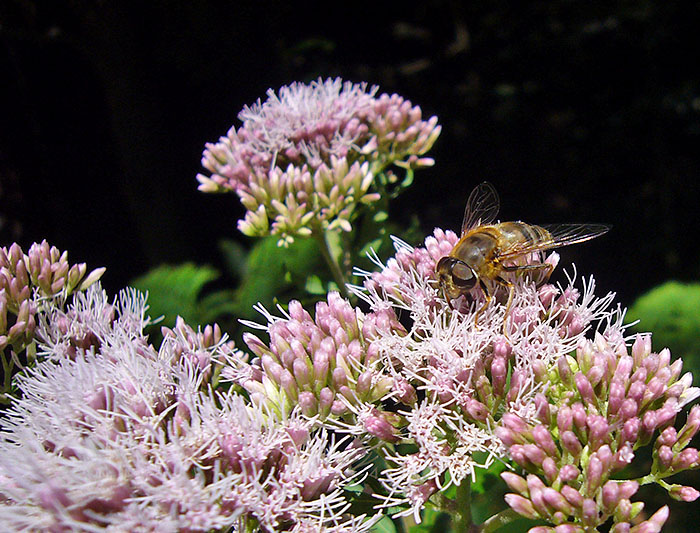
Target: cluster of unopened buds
pixel 325 364
pixel 599 408
pixel 44 272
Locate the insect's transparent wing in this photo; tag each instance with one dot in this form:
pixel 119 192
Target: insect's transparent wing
pixel 560 235
pixel 482 207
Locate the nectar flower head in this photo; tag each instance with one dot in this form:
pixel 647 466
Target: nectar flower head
pixel 474 382
pixel 315 151
pixel 122 436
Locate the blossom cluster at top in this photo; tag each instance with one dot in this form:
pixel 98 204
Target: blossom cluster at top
pixel 311 154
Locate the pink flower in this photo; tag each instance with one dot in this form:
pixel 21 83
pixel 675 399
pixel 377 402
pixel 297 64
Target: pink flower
pixel 312 154
pixel 112 433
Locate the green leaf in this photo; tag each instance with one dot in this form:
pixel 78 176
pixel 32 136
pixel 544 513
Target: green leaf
pixel 671 312
pixel 314 285
pixel 235 257
pixel 385 525
pixel 274 273
pixel 175 290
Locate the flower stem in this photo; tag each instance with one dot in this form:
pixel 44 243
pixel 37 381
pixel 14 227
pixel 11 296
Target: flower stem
pixel 320 236
pixel 463 509
pixel 7 378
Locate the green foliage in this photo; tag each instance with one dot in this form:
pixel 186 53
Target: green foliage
pixel 273 273
pixel 175 290
pixel 672 312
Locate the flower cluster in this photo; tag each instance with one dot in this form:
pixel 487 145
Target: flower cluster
pixel 454 380
pixel 599 408
pixel 325 364
pixel 113 434
pixel 312 153
pixel 43 269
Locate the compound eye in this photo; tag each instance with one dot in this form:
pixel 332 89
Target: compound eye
pixel 462 276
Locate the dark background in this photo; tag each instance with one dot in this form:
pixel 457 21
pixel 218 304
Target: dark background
pixel 577 112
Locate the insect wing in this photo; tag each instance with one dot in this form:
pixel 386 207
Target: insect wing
pixel 560 235
pixel 482 207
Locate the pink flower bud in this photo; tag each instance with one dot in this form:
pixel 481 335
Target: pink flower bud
pixel 691 427
pixel 364 383
pixel 521 505
pixel 499 373
pixel 340 378
pixel 579 413
pixel 514 423
pixel 375 424
pixel 628 489
pixel 338 408
pixel 641 349
pixel 649 422
pixel 630 430
pixel 611 495
pixel 565 373
pixel 534 454
pixel 543 439
pixel 550 469
pixel 565 418
pixel 547 293
pixel 301 372
pixel 308 403
pixel 599 430
pixel 623 369
pixel 590 515
pixel 515 482
pixel 594 474
pixel 289 385
pixel 542 411
pixel 615 397
pixel 568 473
pixel 556 501
pixel 595 374
pixel 572 496
pixel 651 363
pixel 571 443
pixel 686 459
pixel 477 410
pixel 655 523
pixel 683 493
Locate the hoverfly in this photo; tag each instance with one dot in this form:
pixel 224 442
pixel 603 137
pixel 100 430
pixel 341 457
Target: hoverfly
pixel 488 249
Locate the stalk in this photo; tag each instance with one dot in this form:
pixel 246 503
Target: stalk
pixel 336 271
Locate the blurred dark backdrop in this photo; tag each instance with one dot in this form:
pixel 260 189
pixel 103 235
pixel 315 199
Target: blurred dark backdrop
pixel 577 112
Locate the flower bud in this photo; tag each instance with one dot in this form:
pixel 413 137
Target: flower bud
pixel 573 496
pixel 683 493
pixel 515 482
pixel 521 505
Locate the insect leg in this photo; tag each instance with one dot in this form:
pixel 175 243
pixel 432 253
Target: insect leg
pixel 488 296
pixel 511 291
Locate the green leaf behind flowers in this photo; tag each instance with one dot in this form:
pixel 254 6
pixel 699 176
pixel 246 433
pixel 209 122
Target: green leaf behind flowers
pixel 175 290
pixel 672 312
